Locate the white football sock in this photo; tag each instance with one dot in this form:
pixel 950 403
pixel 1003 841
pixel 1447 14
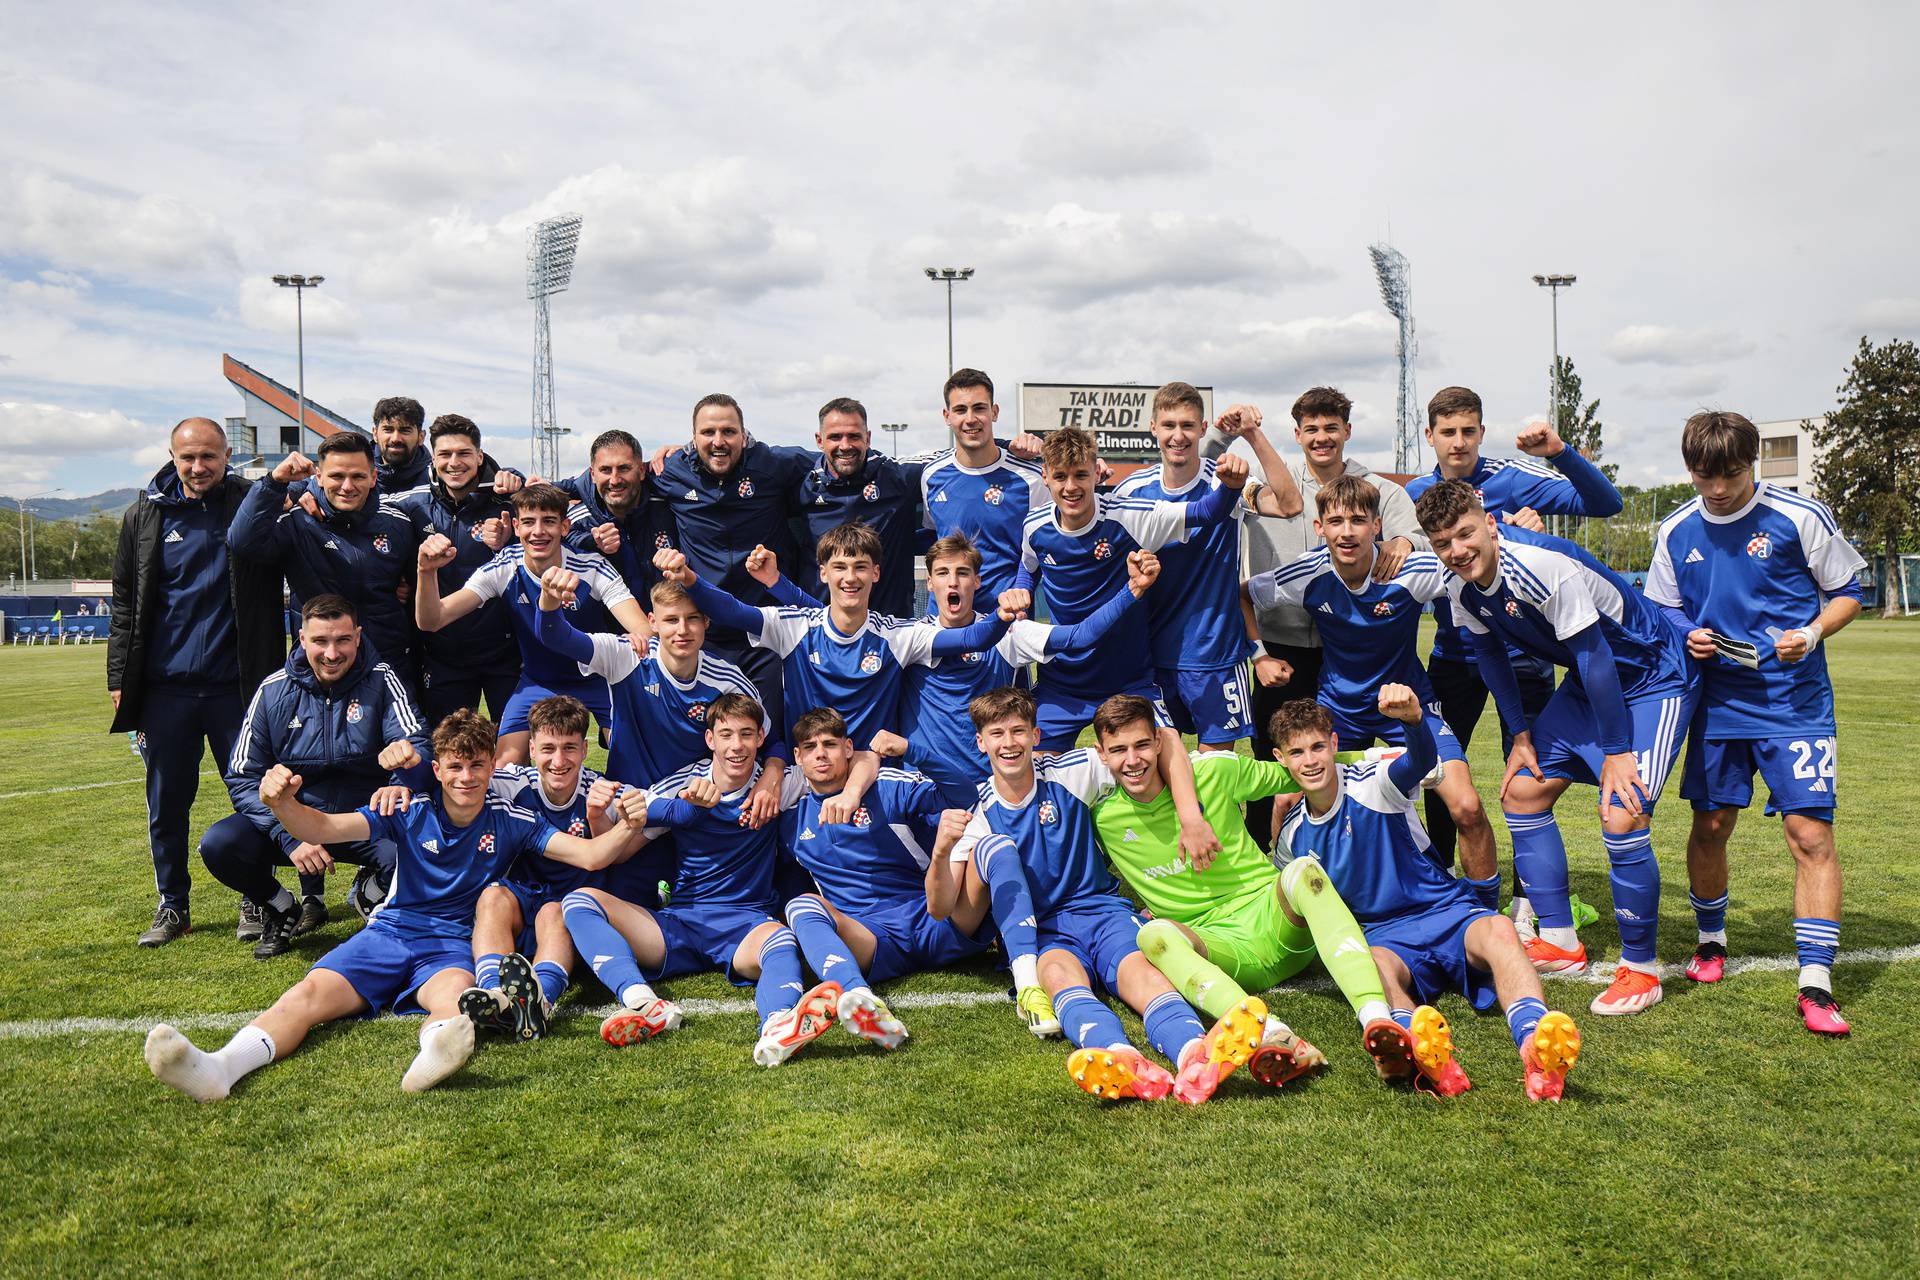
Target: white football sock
pixel 1566 939
pixel 206 1077
pixel 1026 972
pixel 1714 935
pixel 637 995
pixel 1817 975
pixel 1374 1009
pixel 445 1046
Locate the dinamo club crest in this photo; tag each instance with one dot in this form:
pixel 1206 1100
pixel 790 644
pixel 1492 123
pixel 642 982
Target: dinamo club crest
pixel 486 842
pixel 697 712
pixel 1047 812
pixel 354 712
pixel 993 495
pixel 1102 549
pixel 861 818
pixel 1760 546
pixel 577 827
pixel 1513 608
pixel 871 493
pixel 381 544
pixel 1382 609
pixel 746 488
pixel 869 662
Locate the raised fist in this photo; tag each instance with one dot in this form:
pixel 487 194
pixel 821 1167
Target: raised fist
pixel 672 565
pixel 436 553
pixel 1230 470
pixel 763 566
pixel 702 792
pixel 607 538
pixel 1143 567
pixel 1540 440
pixel 295 466
pixel 1398 702
pixel 398 754
pixel 558 588
pixel 279 785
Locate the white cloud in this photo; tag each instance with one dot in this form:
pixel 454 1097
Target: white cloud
pixel 36 438
pixel 1687 385
pixel 1662 344
pixel 1111 150
pixel 267 306
pixel 1899 317
pixel 100 232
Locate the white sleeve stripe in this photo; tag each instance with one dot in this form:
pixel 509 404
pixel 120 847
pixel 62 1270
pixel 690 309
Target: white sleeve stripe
pixel 402 704
pixel 238 759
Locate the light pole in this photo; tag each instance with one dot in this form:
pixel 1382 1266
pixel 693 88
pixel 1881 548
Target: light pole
pixel 26 532
pixel 1555 283
pixel 894 429
pixel 949 274
pixel 300 285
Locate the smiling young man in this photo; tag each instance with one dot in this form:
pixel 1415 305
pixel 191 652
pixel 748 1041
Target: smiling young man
pixel 1230 924
pixel 1551 480
pixel 469 502
pixel 976 488
pixel 723 907
pixel 415 955
pixel 600 600
pixel 1759 575
pixel 1040 813
pixel 1616 721
pixel 1358 822
pixel 1370 632
pixel 852 484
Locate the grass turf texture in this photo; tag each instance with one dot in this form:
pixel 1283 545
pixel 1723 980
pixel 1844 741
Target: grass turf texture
pixel 1711 1134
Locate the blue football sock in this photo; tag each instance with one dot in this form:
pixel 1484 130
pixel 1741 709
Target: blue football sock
pixel 486 970
pixel 827 953
pixel 1087 1020
pixel 998 861
pixel 1540 865
pixel 1710 914
pixel 1523 1015
pixel 605 951
pixel 782 980
pixel 1817 941
pixel 1636 892
pixel 1485 892
pixel 552 979
pixel 1402 1016
pixel 1171 1025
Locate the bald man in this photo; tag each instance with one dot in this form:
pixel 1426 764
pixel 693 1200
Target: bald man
pixel 193 634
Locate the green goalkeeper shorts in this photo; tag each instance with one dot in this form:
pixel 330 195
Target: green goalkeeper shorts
pixel 1252 939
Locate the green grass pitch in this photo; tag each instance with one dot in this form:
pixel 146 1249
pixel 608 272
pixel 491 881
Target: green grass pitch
pixel 1710 1136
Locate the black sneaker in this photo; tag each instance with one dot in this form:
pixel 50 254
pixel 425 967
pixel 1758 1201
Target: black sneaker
pixel 276 931
pixel 313 914
pixel 167 925
pixel 488 1011
pixel 522 989
pixel 248 930
pixel 369 890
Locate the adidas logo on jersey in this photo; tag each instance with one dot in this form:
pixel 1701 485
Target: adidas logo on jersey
pixel 294 723
pixel 807 834
pixel 813 656
pixel 1130 837
pixel 331 545
pixel 1693 557
pixel 173 535
pixel 693 495
pixel 1233 722
pixel 1326 608
pixel 431 846
pixel 654 688
pixel 941 496
pixel 1050 560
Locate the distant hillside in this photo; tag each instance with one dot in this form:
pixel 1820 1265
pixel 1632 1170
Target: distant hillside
pixel 112 502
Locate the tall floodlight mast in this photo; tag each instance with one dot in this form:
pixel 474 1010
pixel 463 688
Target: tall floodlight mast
pixel 1396 290
pixel 550 249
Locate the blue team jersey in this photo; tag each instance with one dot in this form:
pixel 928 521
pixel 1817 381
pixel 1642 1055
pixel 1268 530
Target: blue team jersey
pixel 1053 829
pixel 1368 637
pixel 440 869
pixel 1548 589
pixel 989 504
pixel 1373 847
pixel 1193 612
pixel 1078 571
pixel 723 861
pixel 506 578
pixel 857 675
pixel 935 701
pixel 1569 486
pixel 660 723
pixel 1767 568
pixel 880 858
pixel 519 785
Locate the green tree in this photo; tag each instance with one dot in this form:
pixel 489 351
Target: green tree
pixel 1580 425
pixel 1869 468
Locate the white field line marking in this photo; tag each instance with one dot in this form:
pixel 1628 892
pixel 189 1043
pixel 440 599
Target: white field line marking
pixel 83 786
pixel 1597 975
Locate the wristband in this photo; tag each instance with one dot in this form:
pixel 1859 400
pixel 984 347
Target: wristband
pixel 1812 631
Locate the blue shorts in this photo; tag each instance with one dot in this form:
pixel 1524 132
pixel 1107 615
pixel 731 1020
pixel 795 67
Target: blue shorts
pixel 386 970
pixel 1566 736
pixel 1060 720
pixel 1799 772
pixel 702 938
pixel 591 691
pixel 1215 706
pixel 908 940
pixel 1357 733
pixel 638 879
pixel 1433 944
pixel 1099 931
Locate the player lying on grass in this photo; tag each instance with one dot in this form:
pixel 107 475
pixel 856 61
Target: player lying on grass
pixel 1758 575
pixel 1361 823
pixel 601 602
pixel 1370 632
pixel 1615 722
pixel 1229 924
pixel 724 908
pixel 521 915
pixel 872 919
pixel 416 954
pixel 1038 812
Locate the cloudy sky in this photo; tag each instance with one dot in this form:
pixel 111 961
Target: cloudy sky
pixel 1144 197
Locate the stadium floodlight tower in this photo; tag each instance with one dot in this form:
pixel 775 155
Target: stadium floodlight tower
pixel 550 249
pixel 1396 290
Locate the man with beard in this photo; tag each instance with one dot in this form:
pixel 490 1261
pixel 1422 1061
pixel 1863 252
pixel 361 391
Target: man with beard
pixel 852 484
pixel 617 514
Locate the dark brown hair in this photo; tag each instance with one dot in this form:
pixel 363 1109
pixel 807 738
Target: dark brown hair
pixel 1348 493
pixel 541 497
pixel 850 539
pixel 1450 402
pixel 329 606
pixel 1717 443
pixel 1442 506
pixel 1322 402
pixel 954 546
pixel 734 706
pixel 464 735
pixel 964 378
pixel 820 720
pixel 1301 715
pixel 558 714
pixel 1000 704
pixel 1119 711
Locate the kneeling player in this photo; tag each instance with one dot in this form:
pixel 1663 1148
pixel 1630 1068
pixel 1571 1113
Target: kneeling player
pixel 1361 822
pixel 415 953
pixel 1229 924
pixel 1037 811
pixel 723 904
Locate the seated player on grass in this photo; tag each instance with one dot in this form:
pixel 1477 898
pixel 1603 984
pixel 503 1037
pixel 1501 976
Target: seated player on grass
pixel 601 602
pixel 1229 924
pixel 416 954
pixel 872 919
pixel 520 915
pixel 724 907
pixel 1038 811
pixel 1370 634
pixel 1361 823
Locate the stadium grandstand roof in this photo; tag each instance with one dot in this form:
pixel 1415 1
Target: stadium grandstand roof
pixel 321 420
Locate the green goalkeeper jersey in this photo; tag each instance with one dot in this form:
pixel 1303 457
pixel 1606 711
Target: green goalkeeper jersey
pixel 1143 840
